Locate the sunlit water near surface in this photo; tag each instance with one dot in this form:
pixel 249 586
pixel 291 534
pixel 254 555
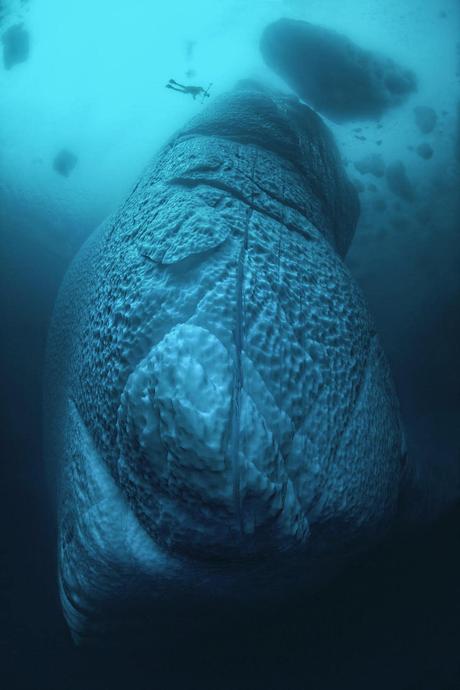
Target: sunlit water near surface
pixel 94 84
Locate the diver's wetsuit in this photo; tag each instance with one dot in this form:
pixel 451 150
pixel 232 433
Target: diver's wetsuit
pixel 193 90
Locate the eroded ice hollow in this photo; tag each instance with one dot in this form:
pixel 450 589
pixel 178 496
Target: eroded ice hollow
pixel 220 412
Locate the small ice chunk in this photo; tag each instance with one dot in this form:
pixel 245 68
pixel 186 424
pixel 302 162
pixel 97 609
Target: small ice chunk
pixel 398 181
pixel 425 150
pixel 425 118
pixel 15 45
pixel 372 164
pixel 64 162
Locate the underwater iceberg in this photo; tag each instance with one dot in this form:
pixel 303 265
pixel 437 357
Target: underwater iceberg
pixel 220 411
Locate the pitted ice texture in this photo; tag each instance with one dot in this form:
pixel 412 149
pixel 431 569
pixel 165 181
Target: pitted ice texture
pixel 178 411
pixel 216 391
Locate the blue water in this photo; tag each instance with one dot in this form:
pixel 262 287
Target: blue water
pixel 93 84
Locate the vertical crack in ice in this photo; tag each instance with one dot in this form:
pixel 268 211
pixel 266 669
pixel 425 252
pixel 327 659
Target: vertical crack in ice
pixel 238 373
pixel 278 320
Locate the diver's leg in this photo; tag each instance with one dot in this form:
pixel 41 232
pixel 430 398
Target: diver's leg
pixel 170 86
pixel 176 83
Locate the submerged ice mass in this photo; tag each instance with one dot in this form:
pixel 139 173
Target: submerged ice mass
pixel 331 73
pixel 64 162
pixel 220 410
pixel 16 44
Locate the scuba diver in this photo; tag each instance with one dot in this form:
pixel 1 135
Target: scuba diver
pixel 193 90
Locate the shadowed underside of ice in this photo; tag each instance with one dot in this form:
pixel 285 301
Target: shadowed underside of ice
pixel 331 73
pixel 219 406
